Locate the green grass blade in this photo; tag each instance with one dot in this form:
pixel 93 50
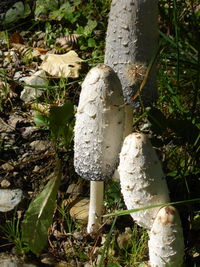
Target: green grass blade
pixel 125 212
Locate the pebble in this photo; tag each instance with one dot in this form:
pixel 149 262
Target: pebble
pixel 13 261
pixel 9 199
pixel 5 183
pixel 7 167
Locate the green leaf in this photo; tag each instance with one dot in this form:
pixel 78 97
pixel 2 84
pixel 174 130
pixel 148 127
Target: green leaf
pixel 91 25
pixel 61 121
pixel 91 42
pixel 14 13
pixel 38 217
pixel 184 129
pixel 45 6
pixel 27 10
pixel 157 120
pixel 41 119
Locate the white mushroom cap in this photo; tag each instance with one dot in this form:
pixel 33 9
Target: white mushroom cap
pixel 99 124
pixel 166 244
pixel 142 179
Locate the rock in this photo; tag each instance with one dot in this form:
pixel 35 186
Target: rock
pixel 36 168
pixel 39 145
pixel 9 198
pixel 48 259
pixel 79 211
pixel 64 264
pixel 13 261
pixel 36 79
pixel 7 167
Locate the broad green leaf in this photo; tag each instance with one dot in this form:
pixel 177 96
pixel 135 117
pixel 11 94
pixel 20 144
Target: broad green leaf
pixel 38 217
pixel 18 11
pixel 14 13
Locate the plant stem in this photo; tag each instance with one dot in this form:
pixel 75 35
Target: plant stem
pixel 96 205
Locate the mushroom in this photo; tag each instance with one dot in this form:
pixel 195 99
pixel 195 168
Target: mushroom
pixel 131 45
pixel 98 134
pixel 142 179
pixel 166 243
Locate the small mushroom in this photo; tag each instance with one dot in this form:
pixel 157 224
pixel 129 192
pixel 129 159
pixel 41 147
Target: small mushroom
pixel 98 134
pixel 166 243
pixel 142 179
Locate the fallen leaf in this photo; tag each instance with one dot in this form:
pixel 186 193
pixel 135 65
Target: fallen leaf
pixel 41 50
pixel 16 38
pixel 66 65
pixel 70 39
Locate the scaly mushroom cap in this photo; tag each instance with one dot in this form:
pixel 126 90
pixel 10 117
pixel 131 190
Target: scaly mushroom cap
pixel 142 179
pixel 166 244
pixel 99 124
pixel 131 43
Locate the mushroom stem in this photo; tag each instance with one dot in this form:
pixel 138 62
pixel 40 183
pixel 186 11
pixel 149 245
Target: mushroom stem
pixel 96 205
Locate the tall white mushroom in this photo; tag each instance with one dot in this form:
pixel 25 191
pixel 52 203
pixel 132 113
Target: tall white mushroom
pixel 142 179
pixel 131 44
pixel 98 134
pixel 166 243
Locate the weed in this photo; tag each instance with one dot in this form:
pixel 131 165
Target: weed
pixel 67 218
pixel 4 89
pixel 138 252
pixel 12 232
pixel 113 196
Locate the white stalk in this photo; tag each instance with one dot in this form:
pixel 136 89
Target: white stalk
pixel 95 206
pixel 142 179
pixel 166 243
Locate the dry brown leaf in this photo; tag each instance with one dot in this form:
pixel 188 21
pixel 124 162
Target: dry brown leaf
pixel 68 40
pixel 66 65
pixel 16 38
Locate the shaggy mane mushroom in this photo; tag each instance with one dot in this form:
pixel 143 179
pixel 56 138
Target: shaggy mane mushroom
pixel 98 134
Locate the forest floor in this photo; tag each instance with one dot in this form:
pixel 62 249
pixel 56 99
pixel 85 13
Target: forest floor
pixel 31 146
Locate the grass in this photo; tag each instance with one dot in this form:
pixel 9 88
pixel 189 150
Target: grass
pixel 12 233
pixel 176 108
